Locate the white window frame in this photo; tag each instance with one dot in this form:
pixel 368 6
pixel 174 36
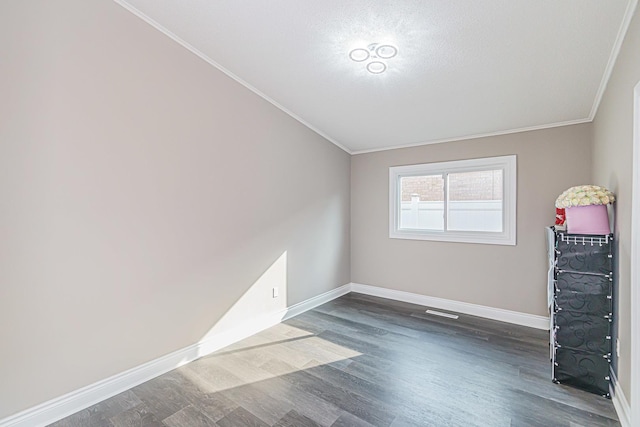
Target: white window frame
pixel 508 166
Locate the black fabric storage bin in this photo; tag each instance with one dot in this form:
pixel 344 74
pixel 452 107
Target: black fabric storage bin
pixel 596 304
pixel 588 371
pixel 581 331
pixel 577 253
pixel 585 283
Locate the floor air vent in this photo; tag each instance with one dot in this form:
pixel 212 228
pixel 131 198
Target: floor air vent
pixel 439 313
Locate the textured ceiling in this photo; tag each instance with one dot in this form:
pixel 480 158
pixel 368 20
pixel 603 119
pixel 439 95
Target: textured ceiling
pixel 463 69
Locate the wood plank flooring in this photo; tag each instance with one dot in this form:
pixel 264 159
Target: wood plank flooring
pixel 363 361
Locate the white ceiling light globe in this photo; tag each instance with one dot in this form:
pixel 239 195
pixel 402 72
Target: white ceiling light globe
pixel 359 55
pixel 386 51
pixel 376 67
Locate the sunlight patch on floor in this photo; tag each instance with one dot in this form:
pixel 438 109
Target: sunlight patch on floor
pixel 277 351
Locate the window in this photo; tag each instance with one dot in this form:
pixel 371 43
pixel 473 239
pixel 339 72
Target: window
pixel 470 201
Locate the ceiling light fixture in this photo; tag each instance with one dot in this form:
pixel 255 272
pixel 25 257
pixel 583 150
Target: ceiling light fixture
pixel 375 52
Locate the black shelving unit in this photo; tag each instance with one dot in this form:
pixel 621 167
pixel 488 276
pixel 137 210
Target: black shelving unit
pixel 582 311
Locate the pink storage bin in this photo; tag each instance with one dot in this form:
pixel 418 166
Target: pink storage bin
pixel 591 219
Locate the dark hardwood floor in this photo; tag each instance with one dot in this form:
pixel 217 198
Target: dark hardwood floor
pixel 363 361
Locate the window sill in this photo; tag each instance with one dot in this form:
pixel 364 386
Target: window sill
pixel 457 237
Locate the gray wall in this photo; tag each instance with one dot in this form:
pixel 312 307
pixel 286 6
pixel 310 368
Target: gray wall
pixel 142 194
pixel 612 167
pixel 506 277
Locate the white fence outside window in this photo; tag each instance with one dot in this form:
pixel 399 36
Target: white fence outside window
pixel 477 215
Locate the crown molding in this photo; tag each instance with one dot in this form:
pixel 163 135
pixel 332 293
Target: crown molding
pixel 613 57
pixel 475 136
pixel 229 74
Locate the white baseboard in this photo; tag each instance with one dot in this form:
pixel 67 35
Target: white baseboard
pixel 60 407
pixel 70 403
pixel 314 302
pixel 620 402
pixel 523 319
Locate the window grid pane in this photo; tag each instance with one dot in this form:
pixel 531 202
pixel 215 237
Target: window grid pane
pixel 475 201
pixel 422 202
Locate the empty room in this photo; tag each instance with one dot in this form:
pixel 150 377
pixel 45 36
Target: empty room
pixel 325 213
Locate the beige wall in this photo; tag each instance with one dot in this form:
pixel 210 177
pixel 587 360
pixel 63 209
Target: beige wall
pixel 612 167
pixel 142 194
pixel 506 277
